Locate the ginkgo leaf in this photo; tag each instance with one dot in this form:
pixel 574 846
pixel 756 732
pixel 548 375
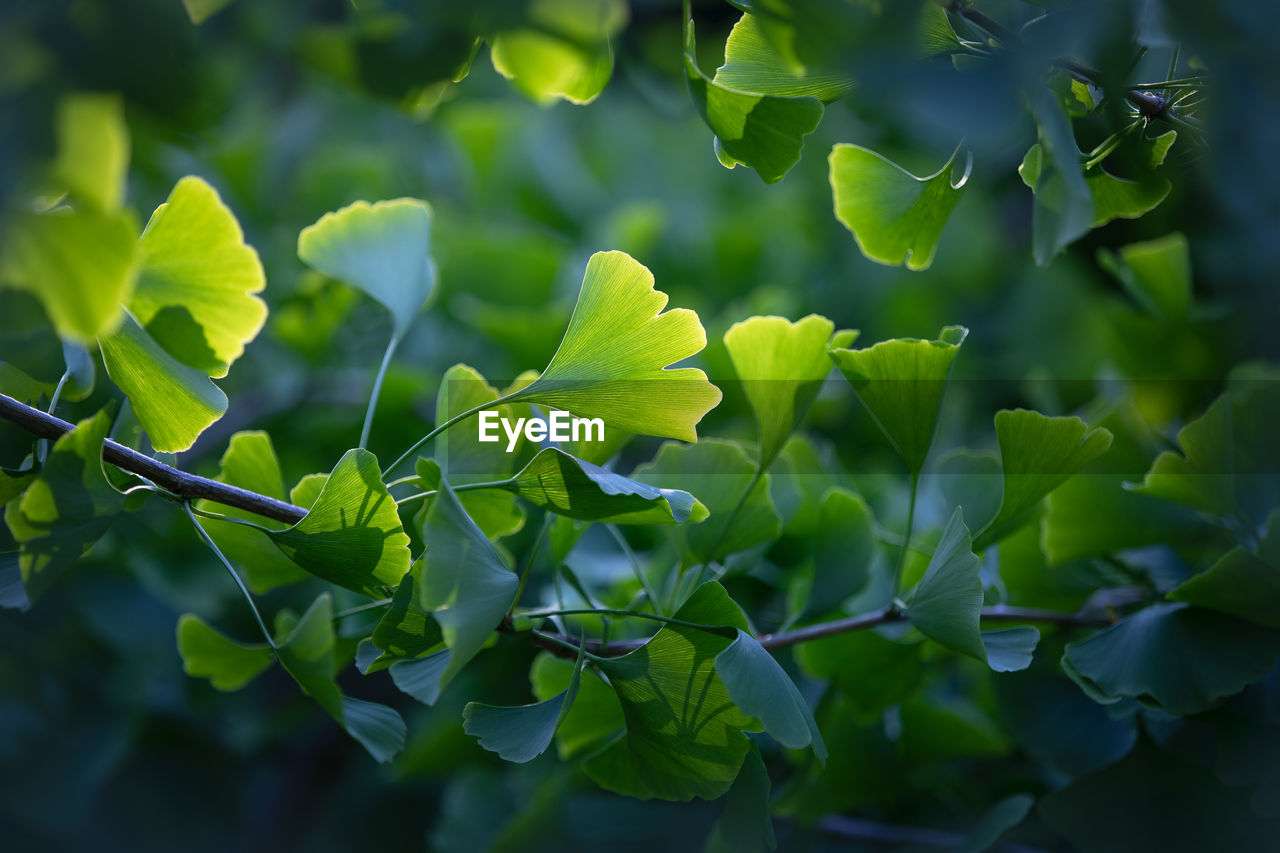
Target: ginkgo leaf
pixel 573 487
pixel 1156 273
pixel 1037 454
pixel 93 148
pixel 79 263
pixel 206 653
pixel 753 63
pixel 762 689
pixel 902 382
pixel 763 132
pixel 524 732
pixel 563 52
pixel 613 360
pixel 893 215
pixel 352 535
pixel 781 366
pixel 250 463
pixel 1241 582
pixel 1112 197
pixel 383 249
pixel 67 508
pixel 947 605
pixel 198 280
pixel 719 472
pixel 1064 208
pixel 200 11
pixel 406 630
pixel 465 584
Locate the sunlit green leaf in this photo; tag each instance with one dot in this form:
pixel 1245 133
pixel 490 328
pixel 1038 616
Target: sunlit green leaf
pixel 1173 657
pixel 557 481
pixel 382 248
pixel 250 463
pixel 754 64
pixel 781 366
pixel 464 582
pixel 894 216
pixel 719 472
pixel 683 733
pixel 521 733
pixel 1241 582
pixel 947 605
pixel 762 131
pixel 563 52
pixel 93 149
pixel 745 825
pixel 612 361
pixel 406 630
pixel 227 664
pixel 901 382
pixel 762 689
pixel 1156 273
pixel 1064 207
pixel 1037 454
pixel 66 508
pixel 352 535
pixel 80 263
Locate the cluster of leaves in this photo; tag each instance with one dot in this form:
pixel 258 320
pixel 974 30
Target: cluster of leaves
pixel 1171 552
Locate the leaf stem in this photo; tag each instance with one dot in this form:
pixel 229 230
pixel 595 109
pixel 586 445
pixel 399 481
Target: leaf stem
pixel 208 540
pixel 609 611
pixel 533 554
pixel 360 608
pixel 906 537
pixel 42 447
pixel 563 643
pixel 390 469
pixel 465 487
pixel 217 516
pixel 645 583
pixel 377 389
pixel 711 552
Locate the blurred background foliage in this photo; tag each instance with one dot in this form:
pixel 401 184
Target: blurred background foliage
pixel 294 109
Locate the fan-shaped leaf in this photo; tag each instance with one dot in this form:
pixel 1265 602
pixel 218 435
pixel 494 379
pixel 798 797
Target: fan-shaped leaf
pixel 352 534
pixel 745 825
pixel 522 733
pixel 464 582
pixel 1241 582
pixel 1037 454
pixel 893 215
pixel 382 248
pixel 901 382
pixel 612 361
pixel 405 630
pixel 754 63
pixel 762 689
pixel 1156 273
pixel 227 664
pixel 93 149
pixel 595 715
pixel 781 366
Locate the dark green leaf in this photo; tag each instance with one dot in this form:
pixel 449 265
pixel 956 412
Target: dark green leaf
pixel 595 715
pixel 762 689
pixel 1156 273
pixel 522 733
pixel 1001 818
pixel 745 825
pixel 1241 583
pixel 421 677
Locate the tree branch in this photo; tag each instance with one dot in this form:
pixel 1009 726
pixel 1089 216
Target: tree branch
pixel 178 482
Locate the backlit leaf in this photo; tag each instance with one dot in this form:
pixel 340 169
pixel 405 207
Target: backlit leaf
pixel 406 630
pixel 781 366
pixel 383 249
pixel 227 664
pixel 93 149
pixel 1156 273
pixel 612 363
pixel 902 382
pixel 1064 207
pixel 894 216
pixel 753 63
pixel 564 52
pixel 352 536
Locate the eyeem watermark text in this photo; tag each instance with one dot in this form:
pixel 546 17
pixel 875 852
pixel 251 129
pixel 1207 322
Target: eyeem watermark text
pixel 559 426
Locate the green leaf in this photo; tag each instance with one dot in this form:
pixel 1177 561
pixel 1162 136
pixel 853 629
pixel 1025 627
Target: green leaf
pixel 250 463
pixel 352 534
pixel 947 605
pixel 894 216
pixel 1064 207
pixel 753 63
pixel 200 11
pixel 464 581
pixel 762 131
pixel 846 555
pixel 564 53
pixel 762 689
pixel 719 472
pixel 575 488
pixel 197 280
pixel 595 715
pixel 305 648
pixel 1229 456
pixel 612 361
pixel 66 508
pixel 93 149
pixel 227 664
pixel 522 733
pixel 421 677
pixel 1241 583
pixel 1037 454
pixel 745 825
pixel 1001 818
pixel 383 249
pixel 872 672
pixel 902 382
pixel 781 366
pixel 1173 657
pixel 79 263
pixel 1156 273
pixel 81 372
pixel 406 630
pixel 683 733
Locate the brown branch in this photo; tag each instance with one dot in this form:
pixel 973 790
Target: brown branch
pixel 180 483
pixel 884 616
